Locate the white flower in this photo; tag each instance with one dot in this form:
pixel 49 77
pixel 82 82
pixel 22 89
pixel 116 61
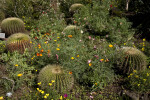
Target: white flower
pixel 9 94
pixel 81 31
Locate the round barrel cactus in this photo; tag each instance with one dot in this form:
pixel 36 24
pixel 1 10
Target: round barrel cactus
pixel 18 42
pixel 70 28
pixel 12 25
pixel 63 80
pixel 75 7
pixel 132 59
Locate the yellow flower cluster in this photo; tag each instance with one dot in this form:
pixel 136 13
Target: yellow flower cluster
pixel 1 98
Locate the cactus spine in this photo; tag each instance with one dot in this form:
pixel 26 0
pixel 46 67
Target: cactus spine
pixel 63 81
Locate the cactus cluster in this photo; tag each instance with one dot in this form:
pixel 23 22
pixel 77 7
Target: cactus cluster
pixel 63 80
pixel 18 42
pixel 12 25
pixel 132 59
pixel 75 7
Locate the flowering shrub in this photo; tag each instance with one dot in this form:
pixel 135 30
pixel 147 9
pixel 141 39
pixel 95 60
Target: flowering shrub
pixel 139 81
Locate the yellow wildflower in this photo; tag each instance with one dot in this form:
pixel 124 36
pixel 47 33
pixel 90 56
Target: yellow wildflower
pixel 61 98
pixel 101 60
pixel 45 97
pixel 32 58
pixel 72 58
pixel 58 45
pixel 16 65
pixel 38 89
pixel 134 71
pixel 30 42
pixel 147 74
pixel 124 43
pixel 39 46
pixel 47 94
pixel 57 49
pixel 138 84
pixel 90 64
pixel 144 39
pixel 136 76
pixel 149 66
pixel 110 46
pixel 50 84
pixel 58 37
pixel 19 75
pixel 46 42
pixel 53 81
pixel 77 55
pixel 131 74
pixel 55 40
pixel 39 83
pixel 42 92
pixel 144 79
pixel 142 49
pixel 1 98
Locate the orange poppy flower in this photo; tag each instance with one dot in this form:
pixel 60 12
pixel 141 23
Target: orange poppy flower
pixel 70 36
pixel 38 54
pixel 70 72
pixel 42 50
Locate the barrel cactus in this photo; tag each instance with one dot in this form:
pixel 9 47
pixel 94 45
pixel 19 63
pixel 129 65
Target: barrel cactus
pixel 132 59
pixel 75 7
pixel 18 42
pixel 63 80
pixel 12 25
pixel 70 28
pixel 2 46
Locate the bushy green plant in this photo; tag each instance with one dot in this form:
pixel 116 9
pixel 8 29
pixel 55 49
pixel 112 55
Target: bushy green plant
pixel 54 74
pixel 2 46
pixel 17 70
pixel 12 25
pixel 138 81
pixel 132 59
pixel 97 20
pixel 18 42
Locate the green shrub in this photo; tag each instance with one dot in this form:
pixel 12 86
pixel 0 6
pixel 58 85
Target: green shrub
pixel 2 46
pixel 18 42
pixel 138 81
pixel 97 20
pixel 51 73
pixel 12 25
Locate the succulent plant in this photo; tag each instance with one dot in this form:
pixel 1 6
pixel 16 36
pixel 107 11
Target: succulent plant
pixel 132 59
pixel 70 27
pixel 12 25
pixel 18 42
pixel 2 46
pixel 63 80
pixel 75 7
